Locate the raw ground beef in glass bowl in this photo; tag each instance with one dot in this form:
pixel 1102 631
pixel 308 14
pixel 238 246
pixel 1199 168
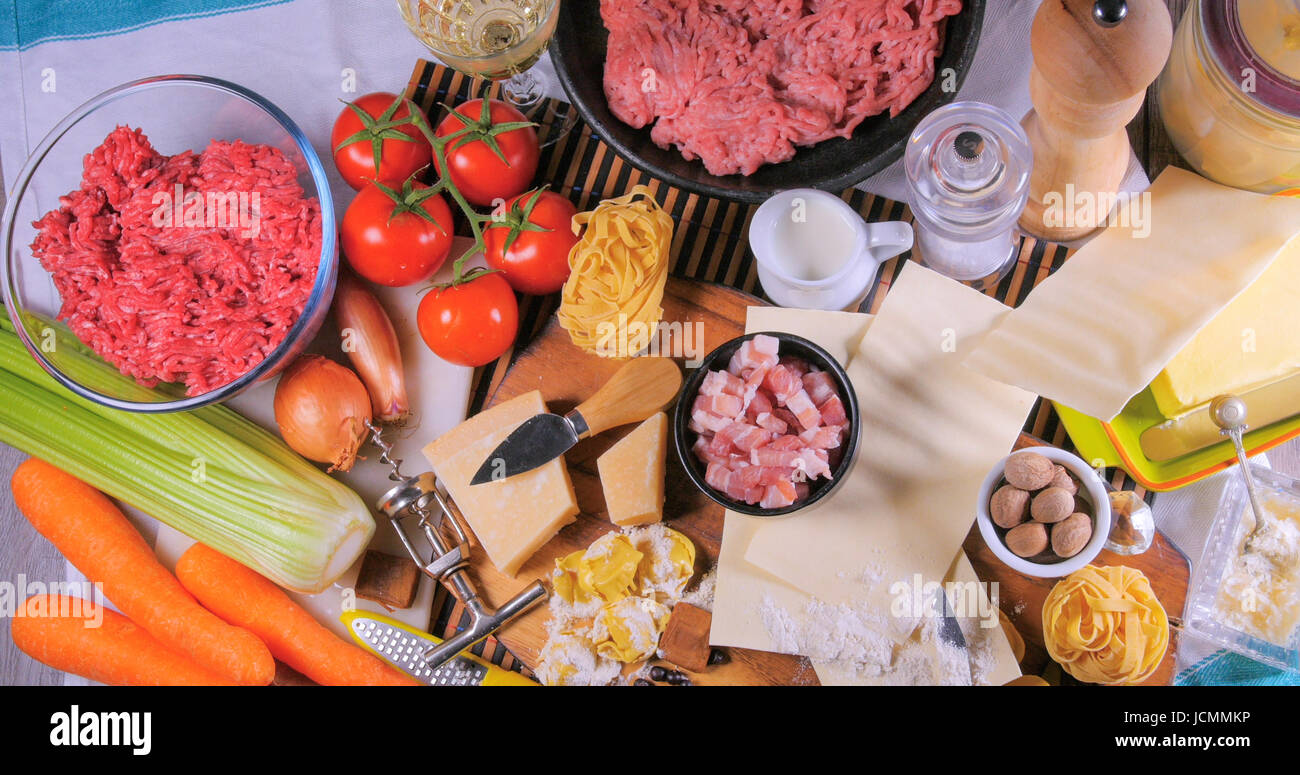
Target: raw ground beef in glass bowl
pixel 182 228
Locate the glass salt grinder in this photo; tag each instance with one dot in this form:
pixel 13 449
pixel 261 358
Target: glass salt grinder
pixel 968 168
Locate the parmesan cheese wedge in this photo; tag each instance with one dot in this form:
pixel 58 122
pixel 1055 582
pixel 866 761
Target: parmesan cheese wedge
pixel 632 474
pixel 511 518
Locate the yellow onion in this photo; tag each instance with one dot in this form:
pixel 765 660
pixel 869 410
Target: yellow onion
pixel 322 410
pixel 371 344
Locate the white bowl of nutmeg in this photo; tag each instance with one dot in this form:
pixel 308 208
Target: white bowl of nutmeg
pixel 1044 512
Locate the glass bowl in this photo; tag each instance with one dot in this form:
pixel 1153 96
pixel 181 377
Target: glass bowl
pixel 177 113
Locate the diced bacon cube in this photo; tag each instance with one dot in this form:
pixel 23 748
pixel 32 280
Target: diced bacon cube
pixel 820 386
pixel 804 409
pixel 814 463
pixel 782 383
pixel 802 490
pixel 754 383
pixel 796 364
pixel 721 445
pixel 753 354
pixel 778 495
pixel 825 437
pixel 721 404
pixel 720 383
pixel 761 403
pixel 755 495
pixel 832 412
pixel 709 421
pixel 773 474
pixel 768 345
pixel 787 443
pixel 736 492
pixel 770 423
pixel 779 458
pixel 748 477
pixel 787 417
pixel 705 452
pixel 718 476
pixel 745 436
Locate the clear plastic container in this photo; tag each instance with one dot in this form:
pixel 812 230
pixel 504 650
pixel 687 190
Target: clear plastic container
pixel 1217 601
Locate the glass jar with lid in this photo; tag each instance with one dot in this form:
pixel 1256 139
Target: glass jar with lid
pixel 968 166
pixel 1230 94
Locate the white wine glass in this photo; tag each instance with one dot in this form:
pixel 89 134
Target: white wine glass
pixel 499 40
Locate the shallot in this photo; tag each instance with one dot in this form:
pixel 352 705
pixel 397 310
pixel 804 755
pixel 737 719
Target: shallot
pixel 370 342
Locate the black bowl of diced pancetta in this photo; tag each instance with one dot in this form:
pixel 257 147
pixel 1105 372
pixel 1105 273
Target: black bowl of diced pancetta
pixel 767 425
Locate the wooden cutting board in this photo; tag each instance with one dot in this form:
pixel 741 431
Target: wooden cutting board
pixel 567 375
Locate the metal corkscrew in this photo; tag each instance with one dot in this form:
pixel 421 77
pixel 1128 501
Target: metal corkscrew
pixel 435 514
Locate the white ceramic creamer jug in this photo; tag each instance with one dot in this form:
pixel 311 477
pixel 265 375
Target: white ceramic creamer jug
pixel 815 252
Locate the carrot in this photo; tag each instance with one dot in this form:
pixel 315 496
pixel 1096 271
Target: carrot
pixel 61 631
pixel 245 598
pixel 96 537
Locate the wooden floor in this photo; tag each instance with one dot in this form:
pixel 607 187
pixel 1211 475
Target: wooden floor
pixel 23 551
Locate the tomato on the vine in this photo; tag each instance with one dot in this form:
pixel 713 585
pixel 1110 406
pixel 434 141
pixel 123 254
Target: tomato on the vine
pixel 495 160
pixel 470 323
pixel 397 238
pixel 376 132
pixel 529 240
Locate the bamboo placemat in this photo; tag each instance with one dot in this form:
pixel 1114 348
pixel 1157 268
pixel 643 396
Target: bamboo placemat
pixel 708 244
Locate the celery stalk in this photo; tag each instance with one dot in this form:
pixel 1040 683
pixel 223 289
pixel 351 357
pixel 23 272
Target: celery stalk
pixel 210 473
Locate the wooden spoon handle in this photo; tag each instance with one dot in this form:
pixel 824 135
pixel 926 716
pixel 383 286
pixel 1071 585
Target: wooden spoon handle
pixel 641 387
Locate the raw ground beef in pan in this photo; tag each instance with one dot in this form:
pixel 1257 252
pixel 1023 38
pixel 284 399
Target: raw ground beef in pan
pixel 742 83
pixel 201 303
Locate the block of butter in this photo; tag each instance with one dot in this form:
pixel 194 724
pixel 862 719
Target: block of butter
pixel 632 474
pixel 1252 342
pixel 511 518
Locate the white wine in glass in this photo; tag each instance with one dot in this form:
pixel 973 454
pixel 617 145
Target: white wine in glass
pixel 494 39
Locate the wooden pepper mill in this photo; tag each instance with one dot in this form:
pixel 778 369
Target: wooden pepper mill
pixel 1093 61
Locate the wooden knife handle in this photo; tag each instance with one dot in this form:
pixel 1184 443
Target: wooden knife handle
pixel 641 387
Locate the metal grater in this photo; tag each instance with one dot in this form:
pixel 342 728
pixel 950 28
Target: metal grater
pixel 406 650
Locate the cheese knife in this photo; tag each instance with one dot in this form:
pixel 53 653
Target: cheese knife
pixel 640 387
pixel 1196 429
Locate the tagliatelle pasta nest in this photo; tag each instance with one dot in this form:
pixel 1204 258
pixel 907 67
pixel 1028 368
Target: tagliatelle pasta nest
pixel 1105 625
pixel 617 275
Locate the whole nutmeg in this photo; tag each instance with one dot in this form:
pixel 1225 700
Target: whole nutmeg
pixel 1029 471
pixel 1064 480
pixel 1028 539
pixel 1071 534
pixel 1052 505
pixel 1009 506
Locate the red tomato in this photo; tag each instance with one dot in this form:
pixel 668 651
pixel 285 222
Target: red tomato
pixel 536 262
pixel 478 173
pixel 398 158
pixel 470 324
pixel 396 238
